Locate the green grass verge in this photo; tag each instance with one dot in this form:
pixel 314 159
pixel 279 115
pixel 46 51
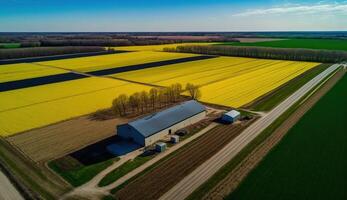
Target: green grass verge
pixel 9 45
pixel 222 173
pixel 310 161
pixel 109 197
pixel 75 173
pixel 114 190
pixel 17 169
pixel 328 44
pixel 271 100
pixel 225 170
pixel 124 169
pixel 140 160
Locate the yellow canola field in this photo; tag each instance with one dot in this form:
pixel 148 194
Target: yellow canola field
pixel 225 81
pixel 93 63
pixel 13 72
pixel 159 47
pixel 240 90
pixel 34 107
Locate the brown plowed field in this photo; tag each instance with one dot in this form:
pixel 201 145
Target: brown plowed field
pixel 159 180
pixel 233 179
pixel 59 139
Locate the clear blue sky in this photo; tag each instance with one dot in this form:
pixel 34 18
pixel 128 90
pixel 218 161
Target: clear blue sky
pixel 175 15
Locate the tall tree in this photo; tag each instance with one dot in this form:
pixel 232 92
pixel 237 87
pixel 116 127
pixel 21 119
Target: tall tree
pixel 193 91
pixel 153 96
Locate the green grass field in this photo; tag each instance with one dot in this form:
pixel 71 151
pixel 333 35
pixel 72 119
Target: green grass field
pixel 310 162
pixel 75 173
pixel 9 45
pixel 300 43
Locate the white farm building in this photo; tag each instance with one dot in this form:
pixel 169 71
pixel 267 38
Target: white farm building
pixel 148 130
pixel 231 116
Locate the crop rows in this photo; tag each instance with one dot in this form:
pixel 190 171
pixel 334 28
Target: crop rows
pixel 21 71
pixel 29 108
pixel 159 180
pixel 225 81
pixel 310 161
pixel 95 63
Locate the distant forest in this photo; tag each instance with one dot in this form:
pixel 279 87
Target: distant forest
pixel 312 55
pixel 103 39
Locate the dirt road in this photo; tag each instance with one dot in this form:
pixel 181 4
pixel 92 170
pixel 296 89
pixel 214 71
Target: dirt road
pixel 211 166
pixel 7 190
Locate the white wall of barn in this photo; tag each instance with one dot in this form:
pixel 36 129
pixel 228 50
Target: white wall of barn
pixel 160 135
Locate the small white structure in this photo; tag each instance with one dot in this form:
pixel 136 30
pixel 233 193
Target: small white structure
pixel 231 116
pixel 152 128
pixel 160 147
pixel 175 139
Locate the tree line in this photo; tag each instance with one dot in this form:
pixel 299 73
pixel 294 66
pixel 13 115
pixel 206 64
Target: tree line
pixel 45 51
pixel 311 55
pixel 155 98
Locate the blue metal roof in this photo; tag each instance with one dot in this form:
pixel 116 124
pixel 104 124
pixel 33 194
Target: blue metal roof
pixel 232 113
pixel 154 123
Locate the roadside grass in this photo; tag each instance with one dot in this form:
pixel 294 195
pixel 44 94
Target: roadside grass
pixel 19 168
pixel 124 169
pixel 269 101
pixel 109 197
pixel 76 173
pixel 9 45
pixel 114 190
pixel 232 164
pixel 140 160
pixel 310 158
pixel 222 173
pixel 328 44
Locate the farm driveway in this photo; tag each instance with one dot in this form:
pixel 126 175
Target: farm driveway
pixel 7 190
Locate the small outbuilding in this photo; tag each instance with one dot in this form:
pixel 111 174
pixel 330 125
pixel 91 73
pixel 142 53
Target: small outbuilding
pixel 160 147
pixel 150 129
pixel 231 116
pixel 175 139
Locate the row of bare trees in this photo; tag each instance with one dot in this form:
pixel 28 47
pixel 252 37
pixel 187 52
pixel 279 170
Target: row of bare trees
pixel 155 98
pixel 314 55
pixel 45 51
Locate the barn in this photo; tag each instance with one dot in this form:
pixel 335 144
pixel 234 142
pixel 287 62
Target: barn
pixel 148 130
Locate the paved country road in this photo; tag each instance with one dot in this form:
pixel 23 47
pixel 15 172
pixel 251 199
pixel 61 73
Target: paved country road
pixel 7 190
pixel 191 182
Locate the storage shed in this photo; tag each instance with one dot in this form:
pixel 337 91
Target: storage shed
pixel 160 147
pixel 175 139
pixel 231 116
pixel 152 128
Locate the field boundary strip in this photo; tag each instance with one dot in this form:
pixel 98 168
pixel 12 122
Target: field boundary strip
pixel 147 65
pixel 43 80
pixel 56 57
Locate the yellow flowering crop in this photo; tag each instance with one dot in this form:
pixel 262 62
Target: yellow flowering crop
pixel 13 72
pixel 225 81
pixel 93 63
pixel 34 107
